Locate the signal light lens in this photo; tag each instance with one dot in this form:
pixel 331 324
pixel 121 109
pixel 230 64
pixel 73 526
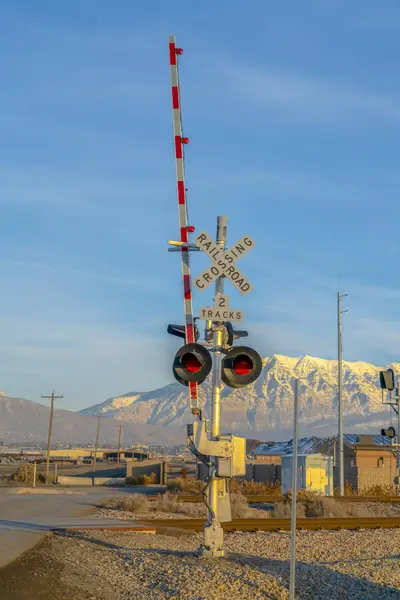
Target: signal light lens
pixel 242 364
pixel 185 140
pixel 240 367
pixel 179 50
pixel 191 229
pixel 191 363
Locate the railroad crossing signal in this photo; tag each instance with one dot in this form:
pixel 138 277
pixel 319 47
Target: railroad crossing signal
pixel 192 363
pixel 386 379
pixel 220 311
pixel 223 262
pixel 240 367
pixel 390 432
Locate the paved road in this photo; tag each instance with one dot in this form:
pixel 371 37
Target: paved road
pixel 31 508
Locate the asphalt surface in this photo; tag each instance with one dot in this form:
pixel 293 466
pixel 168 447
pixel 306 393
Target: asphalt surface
pixel 27 512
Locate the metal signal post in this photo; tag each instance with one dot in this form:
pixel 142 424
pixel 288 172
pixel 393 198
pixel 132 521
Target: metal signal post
pixel 224 455
pixel 213 527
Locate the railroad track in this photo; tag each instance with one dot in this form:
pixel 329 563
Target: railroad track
pixel 275 498
pixel 275 524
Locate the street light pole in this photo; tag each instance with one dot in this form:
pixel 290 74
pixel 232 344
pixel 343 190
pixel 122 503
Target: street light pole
pixel 340 393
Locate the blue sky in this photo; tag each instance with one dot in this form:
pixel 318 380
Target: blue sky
pixel 293 115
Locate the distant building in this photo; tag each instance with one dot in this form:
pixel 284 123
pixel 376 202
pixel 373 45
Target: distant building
pixel 368 459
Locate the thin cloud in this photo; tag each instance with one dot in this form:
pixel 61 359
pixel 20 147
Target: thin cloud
pixel 308 96
pixel 75 272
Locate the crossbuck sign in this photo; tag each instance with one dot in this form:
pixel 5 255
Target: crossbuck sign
pixel 224 262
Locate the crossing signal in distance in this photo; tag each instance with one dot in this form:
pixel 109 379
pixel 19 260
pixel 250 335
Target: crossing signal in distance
pixel 179 331
pixel 241 366
pixel 231 334
pixel 192 362
pixel 386 379
pixel 390 432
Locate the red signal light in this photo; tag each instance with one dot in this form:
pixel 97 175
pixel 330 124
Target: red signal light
pixel 191 228
pixel 179 50
pixel 185 140
pixel 242 364
pixel 191 362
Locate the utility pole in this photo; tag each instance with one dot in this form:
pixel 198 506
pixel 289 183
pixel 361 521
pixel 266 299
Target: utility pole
pixel 213 521
pixel 52 397
pixel 340 393
pixel 120 427
pixel 96 445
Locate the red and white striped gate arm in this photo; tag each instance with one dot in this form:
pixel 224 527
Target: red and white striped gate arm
pixel 179 140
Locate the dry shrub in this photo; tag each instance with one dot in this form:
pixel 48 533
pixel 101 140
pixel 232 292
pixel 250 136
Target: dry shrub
pixel 185 485
pixel 168 502
pixel 142 480
pixel 348 490
pixel 312 504
pixel 375 490
pixel 282 510
pixel 254 488
pixel 23 473
pixel 239 505
pixel 136 503
pixel 379 490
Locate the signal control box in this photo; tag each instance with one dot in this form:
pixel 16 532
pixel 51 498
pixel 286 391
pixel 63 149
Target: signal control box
pixel 235 464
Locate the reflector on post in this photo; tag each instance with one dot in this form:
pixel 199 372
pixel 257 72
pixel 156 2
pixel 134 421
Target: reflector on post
pixel 192 362
pixel 241 366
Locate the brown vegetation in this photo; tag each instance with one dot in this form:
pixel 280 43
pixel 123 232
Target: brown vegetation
pixel 312 504
pixel 255 488
pixel 142 480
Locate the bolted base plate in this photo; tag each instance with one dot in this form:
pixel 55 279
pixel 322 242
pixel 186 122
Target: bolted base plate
pixel 213 546
pixel 208 553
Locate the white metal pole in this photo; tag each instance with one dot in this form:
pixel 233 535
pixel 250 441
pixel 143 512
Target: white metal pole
pixel 34 475
pixel 292 580
pixel 340 398
pixel 216 372
pixel 398 439
pixel 213 529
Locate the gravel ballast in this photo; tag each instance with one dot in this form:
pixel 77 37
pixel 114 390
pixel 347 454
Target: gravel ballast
pixel 361 565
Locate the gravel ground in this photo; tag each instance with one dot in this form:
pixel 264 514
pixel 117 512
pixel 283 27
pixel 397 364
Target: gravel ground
pixel 361 565
pixel 193 511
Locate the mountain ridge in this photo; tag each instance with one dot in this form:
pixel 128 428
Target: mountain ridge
pixel 266 406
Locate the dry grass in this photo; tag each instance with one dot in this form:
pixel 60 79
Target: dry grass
pixel 282 510
pixel 312 504
pixel 136 503
pixel 374 490
pixel 254 488
pixel 167 502
pixel 185 485
pixel 239 505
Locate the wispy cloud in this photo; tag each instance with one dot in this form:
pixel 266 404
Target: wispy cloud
pixel 306 96
pixel 74 272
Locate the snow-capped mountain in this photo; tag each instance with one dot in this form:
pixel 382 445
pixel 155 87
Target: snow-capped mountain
pixel 266 406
